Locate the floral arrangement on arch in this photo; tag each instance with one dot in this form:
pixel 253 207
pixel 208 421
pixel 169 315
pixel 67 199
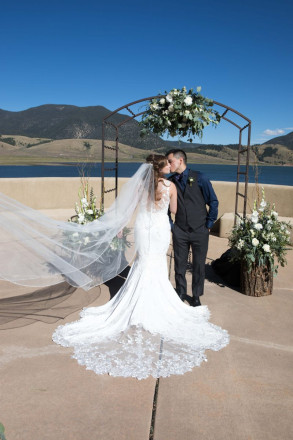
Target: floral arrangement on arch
pixel 258 240
pixel 180 113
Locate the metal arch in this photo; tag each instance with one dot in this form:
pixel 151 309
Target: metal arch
pixel 242 149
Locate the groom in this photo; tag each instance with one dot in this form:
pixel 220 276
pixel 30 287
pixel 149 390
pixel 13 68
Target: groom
pixel 192 223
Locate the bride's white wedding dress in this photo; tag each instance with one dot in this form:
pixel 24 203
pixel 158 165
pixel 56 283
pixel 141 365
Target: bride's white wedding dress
pixel 145 330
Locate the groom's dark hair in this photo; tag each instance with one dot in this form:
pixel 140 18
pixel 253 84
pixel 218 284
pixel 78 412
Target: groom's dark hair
pixel 178 153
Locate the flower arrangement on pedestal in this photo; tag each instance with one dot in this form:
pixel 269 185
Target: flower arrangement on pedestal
pixel 257 242
pixel 87 211
pixel 179 113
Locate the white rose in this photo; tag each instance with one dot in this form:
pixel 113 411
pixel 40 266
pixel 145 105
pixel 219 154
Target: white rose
pixel 252 232
pixel 255 242
pixel 170 108
pixel 258 226
pixel 80 218
pixel 187 112
pixel 84 202
pixel 188 100
pixel 254 217
pixel 274 214
pixel 154 106
pixel 266 248
pixel 169 123
pixel 169 98
pixel 287 232
pixel 162 101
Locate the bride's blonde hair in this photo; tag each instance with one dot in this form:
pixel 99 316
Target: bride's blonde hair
pixel 159 162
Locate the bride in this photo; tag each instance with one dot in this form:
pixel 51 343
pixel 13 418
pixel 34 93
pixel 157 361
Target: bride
pixel 145 330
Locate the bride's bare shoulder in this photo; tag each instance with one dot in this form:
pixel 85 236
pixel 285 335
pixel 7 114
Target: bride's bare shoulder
pixel 166 182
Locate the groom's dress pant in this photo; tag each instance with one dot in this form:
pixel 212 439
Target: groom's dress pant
pixel 182 242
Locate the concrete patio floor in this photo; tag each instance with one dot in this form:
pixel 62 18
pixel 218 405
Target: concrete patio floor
pixel 243 392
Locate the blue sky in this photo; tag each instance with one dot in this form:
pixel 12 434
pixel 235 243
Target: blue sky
pixel 113 52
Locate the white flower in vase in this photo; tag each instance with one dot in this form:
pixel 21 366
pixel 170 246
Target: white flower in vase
pixel 255 242
pixel 266 248
pixel 254 217
pixel 262 205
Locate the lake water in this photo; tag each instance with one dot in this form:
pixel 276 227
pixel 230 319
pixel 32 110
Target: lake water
pixel 276 175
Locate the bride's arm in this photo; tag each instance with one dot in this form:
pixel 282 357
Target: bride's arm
pixel 173 198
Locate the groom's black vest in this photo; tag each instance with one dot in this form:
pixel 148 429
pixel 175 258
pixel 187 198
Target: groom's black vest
pixel 191 206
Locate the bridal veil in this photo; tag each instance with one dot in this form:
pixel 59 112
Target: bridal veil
pixel 38 251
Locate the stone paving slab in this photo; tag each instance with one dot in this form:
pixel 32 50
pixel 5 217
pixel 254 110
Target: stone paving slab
pixel 45 394
pixel 245 391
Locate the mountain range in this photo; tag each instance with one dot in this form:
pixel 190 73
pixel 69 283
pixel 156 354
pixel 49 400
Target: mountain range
pixel 71 122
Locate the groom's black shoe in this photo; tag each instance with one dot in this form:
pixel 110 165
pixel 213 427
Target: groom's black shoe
pixel 195 301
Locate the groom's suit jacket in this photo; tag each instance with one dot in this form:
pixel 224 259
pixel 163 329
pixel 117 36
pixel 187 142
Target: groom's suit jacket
pixel 191 207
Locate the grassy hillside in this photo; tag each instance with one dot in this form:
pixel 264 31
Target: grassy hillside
pixel 22 150
pixel 25 150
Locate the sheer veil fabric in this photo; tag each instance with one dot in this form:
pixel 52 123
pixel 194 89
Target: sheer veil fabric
pixel 145 330
pixel 38 251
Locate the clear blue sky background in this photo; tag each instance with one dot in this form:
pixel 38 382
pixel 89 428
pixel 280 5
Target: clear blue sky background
pixel 113 52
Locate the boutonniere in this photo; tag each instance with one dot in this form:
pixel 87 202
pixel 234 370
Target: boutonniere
pixel 190 181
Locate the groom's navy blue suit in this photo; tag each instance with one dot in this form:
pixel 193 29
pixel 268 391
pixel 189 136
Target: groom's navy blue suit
pixel 191 227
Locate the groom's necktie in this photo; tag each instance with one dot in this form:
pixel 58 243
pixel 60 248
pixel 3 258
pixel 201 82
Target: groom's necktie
pixel 179 178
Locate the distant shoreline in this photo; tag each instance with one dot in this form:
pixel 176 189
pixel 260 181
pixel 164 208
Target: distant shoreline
pixel 72 163
pixel 275 175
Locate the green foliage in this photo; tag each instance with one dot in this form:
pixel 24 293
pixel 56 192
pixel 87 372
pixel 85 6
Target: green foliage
pixel 44 141
pixel 86 209
pixel 120 242
pixel 86 212
pixel 179 113
pixel 2 429
pixel 261 239
pixel 9 140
